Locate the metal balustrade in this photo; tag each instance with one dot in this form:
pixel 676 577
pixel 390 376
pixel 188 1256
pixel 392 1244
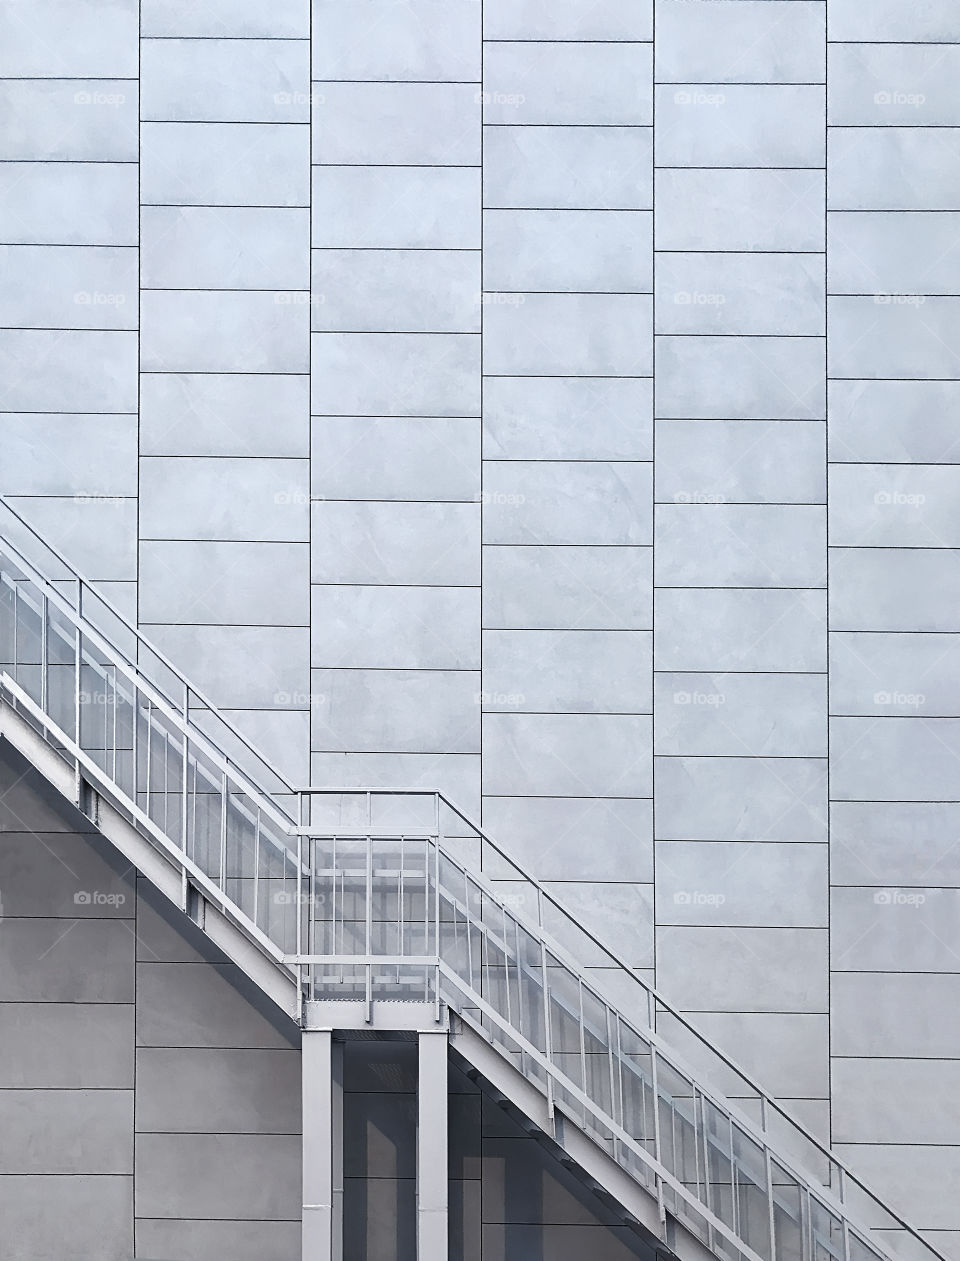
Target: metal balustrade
pixel 383 894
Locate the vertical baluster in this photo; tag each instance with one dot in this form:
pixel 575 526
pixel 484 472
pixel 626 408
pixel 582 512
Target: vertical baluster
pixel 44 683
pixel 548 1032
pixel 768 1166
pixel 149 754
pixel 224 795
pixel 369 925
pixel 116 706
pixel 657 1147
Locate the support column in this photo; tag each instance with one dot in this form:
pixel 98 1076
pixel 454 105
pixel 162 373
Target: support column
pixel 432 1149
pixel 322 1069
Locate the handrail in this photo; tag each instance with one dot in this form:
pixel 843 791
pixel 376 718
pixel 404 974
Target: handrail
pixel 265 801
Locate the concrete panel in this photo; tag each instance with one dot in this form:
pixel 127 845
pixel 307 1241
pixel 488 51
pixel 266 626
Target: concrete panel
pixel 567 418
pixel 190 331
pixel 882 675
pixel 566 19
pixel 575 502
pixel 206 414
pixel 181 1176
pixel 895 20
pixel 740 209
pixel 569 334
pixel 281 735
pixel 225 80
pixel 888 1015
pixel 418 544
pixel 69 119
pixel 198 1240
pixel 575 250
pixel 396 208
pixel 576 168
pixel 902 337
pixel 621 913
pixel 568 588
pixel 224 499
pixel 230 247
pixel 722 378
pixel 554 83
pixel 902 1101
pixel 890 589
pixel 744 969
pixel 66 1131
pixel 50 1216
pixel 223 583
pixel 884 255
pixel 893 168
pixel 909 1178
pixel 757 715
pixel 878 505
pixel 413 291
pixel 742 798
pixel 751 125
pixel 738 630
pixel 416 711
pixel 97 534
pixel 194 1091
pixel 426 39
pixel 50 454
pixel 397 124
pixel 84 961
pixel 48 371
pixel 895 929
pixel 895 84
pixel 400 628
pixel 59 37
pixel 740 545
pixel 901 422
pixel 399 374
pixel 739 461
pixel 199 1005
pixel 56 875
pixel 868 847
pixel 746 294
pixel 580 755
pixel 225 164
pixel 580 672
pixel 894 759
pixel 243 667
pixel 754 41
pixel 742 884
pixel 560 838
pixel 39 200
pixel 33 1037
pixel 284 19
pixel 396 457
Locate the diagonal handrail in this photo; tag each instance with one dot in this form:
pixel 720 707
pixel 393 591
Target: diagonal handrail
pixel 251 802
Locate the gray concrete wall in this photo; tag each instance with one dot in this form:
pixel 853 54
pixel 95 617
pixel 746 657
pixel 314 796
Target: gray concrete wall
pixel 480 418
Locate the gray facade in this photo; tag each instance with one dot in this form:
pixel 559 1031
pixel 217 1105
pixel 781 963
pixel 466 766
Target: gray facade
pixel 556 404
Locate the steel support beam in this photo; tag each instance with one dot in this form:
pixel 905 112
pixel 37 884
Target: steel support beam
pixel 322 1084
pixel 432 1148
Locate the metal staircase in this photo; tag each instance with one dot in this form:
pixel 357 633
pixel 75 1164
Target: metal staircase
pixel 367 908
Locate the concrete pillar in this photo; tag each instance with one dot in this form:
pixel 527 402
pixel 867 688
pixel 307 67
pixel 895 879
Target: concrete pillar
pixel 432 1149
pixel 322 1069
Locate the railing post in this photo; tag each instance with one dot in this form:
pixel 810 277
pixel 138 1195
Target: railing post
pixel 768 1165
pixel 432 1148
pixel 44 680
pixel 657 1146
pixel 547 1033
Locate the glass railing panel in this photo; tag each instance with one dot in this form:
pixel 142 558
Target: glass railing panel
pixel 751 1191
pixel 788 1215
pixel 826 1231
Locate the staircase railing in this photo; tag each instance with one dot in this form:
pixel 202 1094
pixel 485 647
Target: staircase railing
pixel 374 894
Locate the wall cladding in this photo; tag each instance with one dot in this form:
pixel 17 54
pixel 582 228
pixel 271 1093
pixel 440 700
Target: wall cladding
pixel 556 404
